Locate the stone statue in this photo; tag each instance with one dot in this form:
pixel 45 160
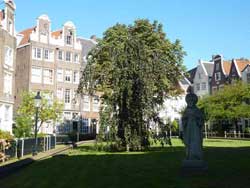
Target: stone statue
pixel 193 122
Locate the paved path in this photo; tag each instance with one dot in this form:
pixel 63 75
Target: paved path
pixel 10 168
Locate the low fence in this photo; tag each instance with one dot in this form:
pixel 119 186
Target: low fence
pixel 25 146
pixel 231 134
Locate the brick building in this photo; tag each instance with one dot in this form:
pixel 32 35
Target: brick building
pixel 7 64
pixel 50 61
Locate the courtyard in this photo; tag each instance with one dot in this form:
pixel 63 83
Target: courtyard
pixel 228 162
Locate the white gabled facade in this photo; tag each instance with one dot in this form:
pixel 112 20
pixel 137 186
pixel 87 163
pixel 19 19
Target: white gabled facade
pixel 173 106
pixel 201 83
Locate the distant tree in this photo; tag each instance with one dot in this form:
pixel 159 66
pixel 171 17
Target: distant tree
pixel 135 67
pixel 230 103
pixel 26 113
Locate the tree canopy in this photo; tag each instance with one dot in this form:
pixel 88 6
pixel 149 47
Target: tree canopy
pixel 230 103
pixel 49 111
pixel 135 67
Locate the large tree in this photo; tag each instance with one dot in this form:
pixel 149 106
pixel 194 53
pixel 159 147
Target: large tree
pixel 135 67
pixel 230 103
pixel 49 111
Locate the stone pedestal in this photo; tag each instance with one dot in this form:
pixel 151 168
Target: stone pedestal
pixel 192 167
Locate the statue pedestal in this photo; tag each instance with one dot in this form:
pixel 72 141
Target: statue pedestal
pixel 192 167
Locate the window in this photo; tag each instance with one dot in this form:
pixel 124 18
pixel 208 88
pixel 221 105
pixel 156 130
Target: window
pixel 203 86
pixel 7 83
pixel 36 75
pixel 198 87
pixel 199 75
pixel 68 75
pixel 86 104
pixel 37 53
pixel 76 58
pixel 67 96
pixel 67 124
pixel 46 54
pixel 48 76
pixel 217 76
pixel 85 126
pixel 69 39
pixel 248 77
pixel 59 93
pixel 68 56
pixel 6 113
pixel 217 66
pixel 76 77
pixel 8 56
pixel 60 55
pixel 95 103
pixel 67 115
pixel 59 75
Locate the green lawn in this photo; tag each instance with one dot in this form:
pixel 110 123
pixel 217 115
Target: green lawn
pixel 228 160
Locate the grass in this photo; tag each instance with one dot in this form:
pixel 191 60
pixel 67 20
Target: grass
pixel 228 162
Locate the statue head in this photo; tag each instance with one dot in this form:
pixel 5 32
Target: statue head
pixel 191 98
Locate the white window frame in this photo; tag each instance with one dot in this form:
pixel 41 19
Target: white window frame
pixel 69 40
pixel 59 75
pixel 203 86
pixel 86 103
pixel 8 56
pixel 7 89
pixel 60 55
pixel 76 58
pixel 6 112
pixel 68 56
pixel 38 76
pixel 37 52
pixel 48 79
pixel 67 96
pixel 68 76
pixel 59 93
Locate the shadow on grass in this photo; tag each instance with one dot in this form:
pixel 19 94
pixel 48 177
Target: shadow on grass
pixel 228 168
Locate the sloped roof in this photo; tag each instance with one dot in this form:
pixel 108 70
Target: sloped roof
pixel 209 68
pixel 241 64
pixel 56 34
pixel 227 66
pixel 26 35
pixel 191 75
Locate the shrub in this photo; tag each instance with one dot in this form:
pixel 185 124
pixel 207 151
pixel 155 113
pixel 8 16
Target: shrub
pixel 5 135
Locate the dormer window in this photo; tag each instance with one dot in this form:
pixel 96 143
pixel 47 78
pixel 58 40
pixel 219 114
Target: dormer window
pixel 69 40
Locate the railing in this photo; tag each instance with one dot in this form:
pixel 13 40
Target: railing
pixel 231 134
pixel 24 146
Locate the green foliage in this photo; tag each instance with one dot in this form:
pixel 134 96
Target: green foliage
pixel 25 118
pixel 135 67
pixel 230 103
pixel 5 135
pixel 174 126
pixel 23 126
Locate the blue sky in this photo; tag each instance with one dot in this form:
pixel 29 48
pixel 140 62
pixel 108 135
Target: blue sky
pixel 205 27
